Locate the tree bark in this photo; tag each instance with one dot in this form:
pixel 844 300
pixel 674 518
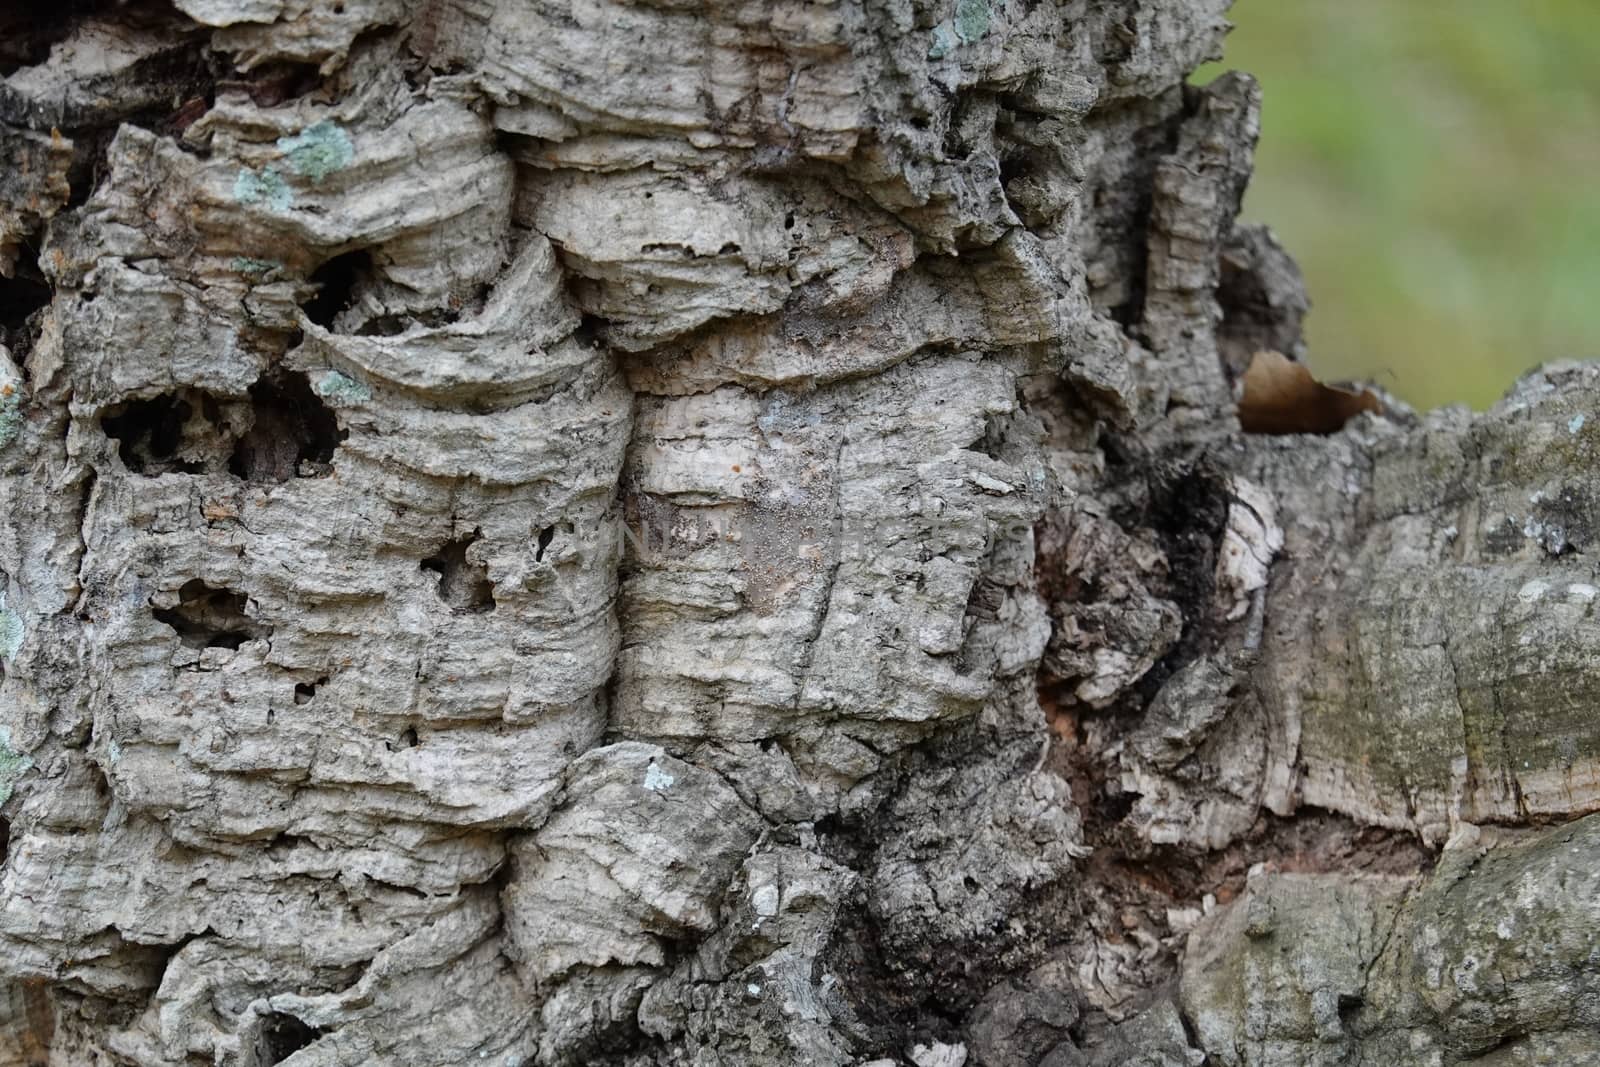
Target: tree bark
pixel 717 533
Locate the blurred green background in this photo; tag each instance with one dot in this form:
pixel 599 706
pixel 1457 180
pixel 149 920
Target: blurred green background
pixel 1435 167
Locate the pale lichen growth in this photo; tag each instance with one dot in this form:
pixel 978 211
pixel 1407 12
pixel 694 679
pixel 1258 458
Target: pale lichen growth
pixel 266 187
pixel 318 151
pixel 969 26
pixel 656 779
pixel 972 20
pixel 340 388
pixel 249 265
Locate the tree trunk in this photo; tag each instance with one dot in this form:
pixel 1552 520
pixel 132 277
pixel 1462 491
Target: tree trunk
pixel 717 533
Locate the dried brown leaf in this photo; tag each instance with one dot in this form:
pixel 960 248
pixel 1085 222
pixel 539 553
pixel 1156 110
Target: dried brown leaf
pixel 1281 396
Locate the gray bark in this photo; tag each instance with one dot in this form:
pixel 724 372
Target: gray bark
pixel 717 533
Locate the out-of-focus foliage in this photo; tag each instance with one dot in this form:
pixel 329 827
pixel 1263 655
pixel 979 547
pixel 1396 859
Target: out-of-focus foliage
pixel 1435 167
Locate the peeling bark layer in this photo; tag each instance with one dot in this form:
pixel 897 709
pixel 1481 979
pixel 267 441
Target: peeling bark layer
pixel 563 533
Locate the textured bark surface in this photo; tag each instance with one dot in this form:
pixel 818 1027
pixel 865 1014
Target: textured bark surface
pixel 716 533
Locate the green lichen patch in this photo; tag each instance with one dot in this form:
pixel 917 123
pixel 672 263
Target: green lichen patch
pixel 317 151
pixel 248 265
pixel 266 187
pixel 342 389
pixel 970 25
pixel 13 765
pixel 10 412
pixel 972 20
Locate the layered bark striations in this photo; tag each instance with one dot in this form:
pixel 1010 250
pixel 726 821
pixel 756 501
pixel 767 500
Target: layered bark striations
pixel 645 533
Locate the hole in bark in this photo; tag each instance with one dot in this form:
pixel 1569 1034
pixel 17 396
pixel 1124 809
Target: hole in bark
pixel 546 535
pixel 1189 512
pixel 1262 297
pixel 463 584
pixel 291 432
pixel 590 331
pixel 469 304
pixel 5 840
pixel 394 887
pixel 1122 203
pixel 407 739
pixel 1349 1008
pixel 23 299
pixel 992 443
pixel 1562 521
pixel 336 282
pixel 20 298
pixel 305 692
pixel 927 989
pixel 294 433
pixel 282 1036
pixel 27 31
pixel 149 434
pixel 1117 47
pixel 208 617
pixel 1111 808
pixel 277 83
pixel 384 326
pixel 1507 1044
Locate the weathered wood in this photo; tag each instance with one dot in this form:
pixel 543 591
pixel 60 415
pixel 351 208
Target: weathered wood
pixel 660 533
